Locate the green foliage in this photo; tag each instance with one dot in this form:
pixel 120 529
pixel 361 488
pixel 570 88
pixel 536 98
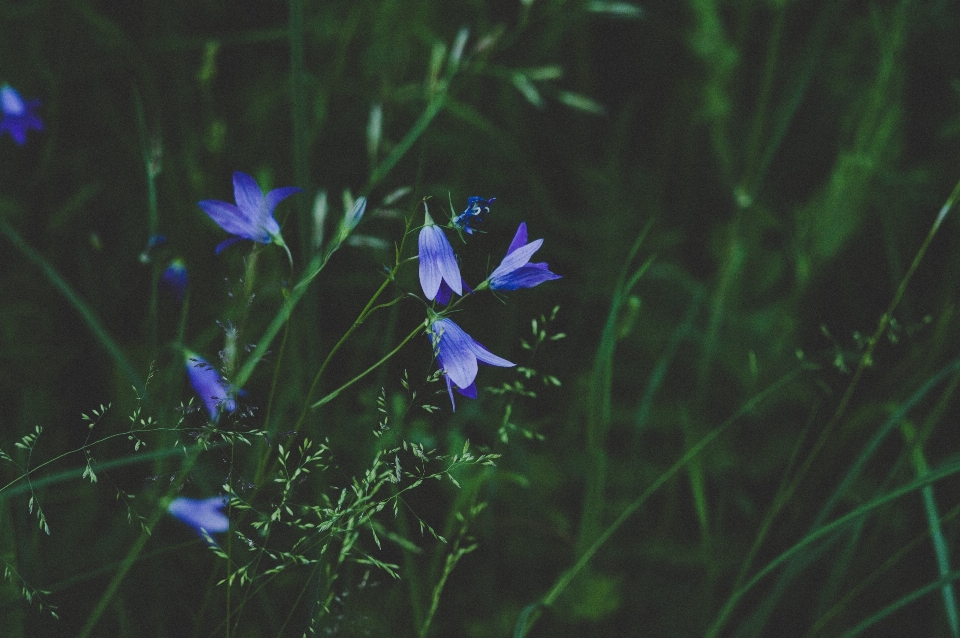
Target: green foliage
pixel 741 423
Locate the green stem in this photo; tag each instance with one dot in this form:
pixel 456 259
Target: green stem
pixel 943 472
pixel 99 331
pixel 346 385
pixel 785 494
pixel 532 613
pixel 356 324
pixel 433 107
pixel 137 548
pixel 940 547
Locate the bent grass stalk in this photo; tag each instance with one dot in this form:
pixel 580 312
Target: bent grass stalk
pixel 940 547
pixel 85 311
pixel 531 613
pixel 846 484
pixel 599 406
pixel 419 329
pixel 817 628
pixel 134 552
pixel 945 581
pixel 931 477
pixel 866 360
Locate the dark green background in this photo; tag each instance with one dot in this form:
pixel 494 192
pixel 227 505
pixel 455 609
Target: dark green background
pixel 787 158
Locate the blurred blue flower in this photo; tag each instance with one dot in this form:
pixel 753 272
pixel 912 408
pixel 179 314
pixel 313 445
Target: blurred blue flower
pixel 210 385
pixel 174 279
pixel 514 271
pixel 200 514
pixel 252 216
pixel 477 209
pixel 18 115
pixel 458 354
pixel 437 262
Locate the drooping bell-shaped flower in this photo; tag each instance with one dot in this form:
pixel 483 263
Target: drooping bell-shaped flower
pixel 252 216
pixel 458 355
pixel 437 261
pixel 18 114
pixel 201 514
pixel 515 271
pixel 210 386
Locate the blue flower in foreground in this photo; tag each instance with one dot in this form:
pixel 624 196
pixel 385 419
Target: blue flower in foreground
pixel 252 216
pixel 458 354
pixel 174 279
pixel 514 271
pixel 18 116
pixel 477 209
pixel 212 388
pixel 437 262
pixel 200 514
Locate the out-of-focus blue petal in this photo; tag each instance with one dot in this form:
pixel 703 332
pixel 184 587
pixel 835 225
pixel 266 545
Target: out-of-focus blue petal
pixel 174 279
pixel 205 514
pixel 10 101
pixel 232 219
pixel 226 243
pixel 17 114
pixel 249 197
pixel 209 385
pixel 277 195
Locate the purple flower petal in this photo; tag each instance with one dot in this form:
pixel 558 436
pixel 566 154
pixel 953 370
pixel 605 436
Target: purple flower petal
pixel 458 355
pixel 252 216
pixel 437 261
pixel 516 259
pixel 519 239
pixel 201 514
pixel 174 279
pixel 514 272
pixel 210 385
pixel 17 115
pixel 277 195
pixel 230 218
pixel 444 294
pixel 226 243
pixel 249 197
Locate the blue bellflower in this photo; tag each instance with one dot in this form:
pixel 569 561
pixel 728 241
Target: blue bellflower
pixel 458 354
pixel 201 514
pixel 210 385
pixel 477 209
pixel 515 271
pixel 18 115
pixel 252 216
pixel 437 261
